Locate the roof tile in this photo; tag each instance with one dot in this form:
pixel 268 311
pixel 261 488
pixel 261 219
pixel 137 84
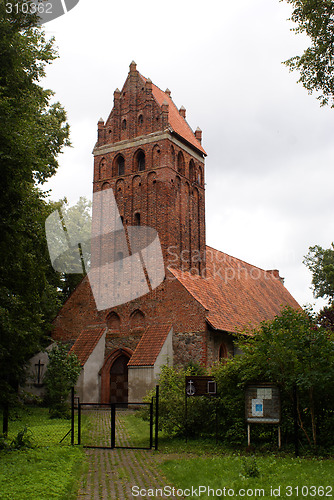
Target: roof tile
pixel 150 345
pixel 235 293
pixel 86 343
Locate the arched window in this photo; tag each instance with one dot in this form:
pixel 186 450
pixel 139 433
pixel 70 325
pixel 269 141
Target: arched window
pixel 172 155
pixel 140 120
pixel 120 165
pixel 137 320
pixel 192 171
pixel 113 322
pixel 223 352
pixel 124 124
pixel 137 219
pixel 139 161
pixel 105 186
pixel 180 163
pixel 199 176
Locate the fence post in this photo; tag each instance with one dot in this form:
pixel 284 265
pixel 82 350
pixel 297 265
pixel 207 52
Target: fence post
pixel 295 419
pixel 156 416
pixel 151 423
pixel 79 422
pixel 72 416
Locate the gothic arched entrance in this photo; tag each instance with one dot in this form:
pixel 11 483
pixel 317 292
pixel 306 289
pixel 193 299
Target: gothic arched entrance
pixel 114 377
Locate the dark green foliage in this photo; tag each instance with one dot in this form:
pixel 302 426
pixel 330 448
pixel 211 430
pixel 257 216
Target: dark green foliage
pixel 320 262
pixel 32 133
pixel 62 374
pixel 23 439
pixel 315 18
pixel 250 467
pixel 290 350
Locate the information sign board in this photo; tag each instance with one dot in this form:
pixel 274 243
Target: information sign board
pixel 262 404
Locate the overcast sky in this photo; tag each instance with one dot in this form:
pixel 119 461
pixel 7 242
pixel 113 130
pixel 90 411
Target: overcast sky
pixel 269 169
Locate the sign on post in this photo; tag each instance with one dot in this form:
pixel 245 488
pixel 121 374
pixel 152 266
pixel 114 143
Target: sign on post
pixel 263 406
pixel 201 385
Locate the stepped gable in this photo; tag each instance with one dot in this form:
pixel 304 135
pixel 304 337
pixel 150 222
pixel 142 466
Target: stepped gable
pixel 178 124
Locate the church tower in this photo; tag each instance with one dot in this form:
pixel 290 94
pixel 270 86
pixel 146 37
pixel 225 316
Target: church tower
pixel 147 153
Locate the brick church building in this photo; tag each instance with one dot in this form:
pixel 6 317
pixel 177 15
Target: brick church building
pixel 152 160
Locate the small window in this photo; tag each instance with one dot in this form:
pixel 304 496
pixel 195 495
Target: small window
pixel 180 163
pixel 141 161
pixel 121 165
pixel 137 219
pixel 124 124
pixel 140 120
pixel 223 352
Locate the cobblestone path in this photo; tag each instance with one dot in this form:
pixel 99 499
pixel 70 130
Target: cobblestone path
pixel 111 474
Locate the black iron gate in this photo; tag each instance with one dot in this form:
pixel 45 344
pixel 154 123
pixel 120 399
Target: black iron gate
pixel 108 426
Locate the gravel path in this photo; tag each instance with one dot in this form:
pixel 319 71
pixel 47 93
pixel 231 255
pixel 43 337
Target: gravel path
pixel 112 473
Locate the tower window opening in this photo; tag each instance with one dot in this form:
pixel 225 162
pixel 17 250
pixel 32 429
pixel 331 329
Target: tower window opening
pixel 180 163
pixel 121 165
pixel 141 161
pixel 137 219
pixel 140 120
pixel 124 124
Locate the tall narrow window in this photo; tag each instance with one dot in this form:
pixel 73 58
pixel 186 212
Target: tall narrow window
pixel 137 219
pixel 120 165
pixel 180 163
pixel 141 161
pixel 124 124
pixel 191 171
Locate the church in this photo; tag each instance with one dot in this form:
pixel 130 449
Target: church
pixel 153 162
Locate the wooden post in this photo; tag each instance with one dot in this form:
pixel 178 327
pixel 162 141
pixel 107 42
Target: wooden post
pixel 248 434
pixel 295 420
pixel 279 437
pixel 156 416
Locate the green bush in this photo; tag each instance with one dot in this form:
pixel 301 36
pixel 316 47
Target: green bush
pixel 62 373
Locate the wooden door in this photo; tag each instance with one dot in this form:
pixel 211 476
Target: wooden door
pixel 119 380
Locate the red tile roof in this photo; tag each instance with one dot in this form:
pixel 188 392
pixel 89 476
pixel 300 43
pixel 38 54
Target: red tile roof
pixel 234 293
pixel 150 345
pixel 176 121
pixel 86 343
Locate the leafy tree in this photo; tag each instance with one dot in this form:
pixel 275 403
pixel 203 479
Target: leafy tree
pixel 32 133
pixel 320 262
pixel 315 18
pixel 77 219
pixel 326 317
pixel 293 351
pixel 62 374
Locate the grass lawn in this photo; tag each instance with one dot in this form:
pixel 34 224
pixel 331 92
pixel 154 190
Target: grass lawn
pixel 48 469
pixel 253 476
pixel 40 473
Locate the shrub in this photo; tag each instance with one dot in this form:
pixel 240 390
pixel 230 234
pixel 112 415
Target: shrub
pixel 62 374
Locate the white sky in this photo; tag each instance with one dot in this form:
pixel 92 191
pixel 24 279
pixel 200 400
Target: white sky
pixel 269 169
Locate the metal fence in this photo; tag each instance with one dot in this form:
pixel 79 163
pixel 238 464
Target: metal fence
pixel 35 424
